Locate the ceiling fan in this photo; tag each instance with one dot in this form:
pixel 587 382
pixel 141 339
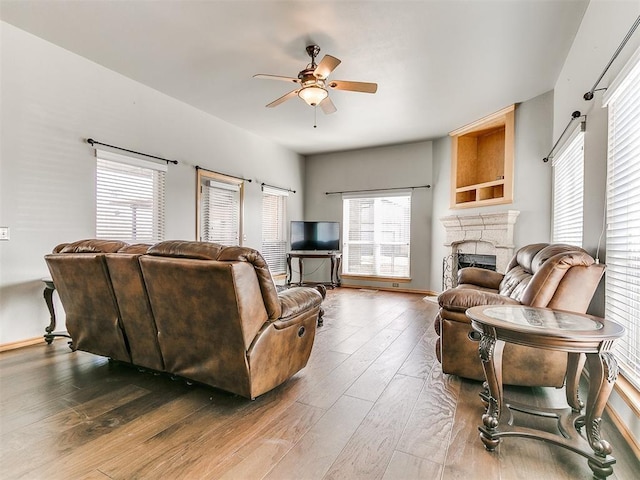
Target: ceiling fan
pixel 313 83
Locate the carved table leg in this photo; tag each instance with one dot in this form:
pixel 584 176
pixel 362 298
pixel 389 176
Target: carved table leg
pixel 575 364
pixel 48 298
pixel 301 268
pixel 603 371
pixel 289 269
pixel 490 351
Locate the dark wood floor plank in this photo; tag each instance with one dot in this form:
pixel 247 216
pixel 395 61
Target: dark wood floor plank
pixel 431 423
pixel 371 384
pixel 408 467
pixel 327 391
pixel 313 455
pixel 369 451
pixel 67 415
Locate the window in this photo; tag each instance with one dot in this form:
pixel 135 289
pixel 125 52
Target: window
pixel 219 208
pixel 129 198
pixel 622 291
pixel 274 235
pixel 377 232
pixel 568 190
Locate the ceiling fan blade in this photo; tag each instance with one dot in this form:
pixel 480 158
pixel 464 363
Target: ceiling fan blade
pixel 327 106
pixel 276 77
pixel 326 66
pixel 282 99
pixel 364 87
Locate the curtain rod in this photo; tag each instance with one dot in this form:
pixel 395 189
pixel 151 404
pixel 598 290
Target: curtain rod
pixel 574 115
pixel 225 174
pixel 378 189
pixel 277 188
pixel 93 142
pixel 589 94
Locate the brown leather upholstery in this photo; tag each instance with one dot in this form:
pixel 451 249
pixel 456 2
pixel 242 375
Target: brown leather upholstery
pixel 220 319
pixel 556 276
pixel 203 311
pixel 80 275
pixel 135 310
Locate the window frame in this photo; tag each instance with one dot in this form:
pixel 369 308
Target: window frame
pixel 377 241
pixel 207 175
pixel 564 202
pixel 157 197
pixel 630 373
pixel 279 268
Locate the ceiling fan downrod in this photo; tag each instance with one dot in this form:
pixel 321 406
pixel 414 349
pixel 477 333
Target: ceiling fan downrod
pixel 313 51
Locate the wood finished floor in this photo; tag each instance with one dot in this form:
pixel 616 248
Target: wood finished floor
pixel 371 404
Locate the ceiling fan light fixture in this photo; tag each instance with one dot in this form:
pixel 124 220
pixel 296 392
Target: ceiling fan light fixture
pixel 313 94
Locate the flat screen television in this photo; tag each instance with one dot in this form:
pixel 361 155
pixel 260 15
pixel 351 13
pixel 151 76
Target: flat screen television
pixel 315 235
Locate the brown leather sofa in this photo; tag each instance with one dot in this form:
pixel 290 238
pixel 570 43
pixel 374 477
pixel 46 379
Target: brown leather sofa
pixel 202 311
pixel 556 276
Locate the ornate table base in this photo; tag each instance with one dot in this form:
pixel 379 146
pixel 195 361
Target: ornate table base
pixel 583 343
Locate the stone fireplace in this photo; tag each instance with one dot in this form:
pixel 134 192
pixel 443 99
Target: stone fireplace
pixel 478 234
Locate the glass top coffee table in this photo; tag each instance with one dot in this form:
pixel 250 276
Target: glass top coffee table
pixel 586 339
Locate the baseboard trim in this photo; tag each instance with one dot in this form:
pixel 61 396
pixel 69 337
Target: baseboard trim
pixel 622 427
pixel 391 289
pixel 5 347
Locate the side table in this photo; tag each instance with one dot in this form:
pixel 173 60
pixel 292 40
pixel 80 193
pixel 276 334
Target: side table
pixel 584 338
pixel 50 334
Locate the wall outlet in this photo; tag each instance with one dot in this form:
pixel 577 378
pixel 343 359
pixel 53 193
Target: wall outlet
pixel 4 233
pixel 395 285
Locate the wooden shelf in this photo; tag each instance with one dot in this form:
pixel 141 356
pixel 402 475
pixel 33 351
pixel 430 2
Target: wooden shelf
pixel 482 161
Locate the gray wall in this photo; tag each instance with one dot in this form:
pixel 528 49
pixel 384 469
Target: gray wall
pixel 385 167
pixel 51 101
pixel 532 182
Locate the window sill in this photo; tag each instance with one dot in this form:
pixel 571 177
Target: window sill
pixel 629 393
pixel 375 278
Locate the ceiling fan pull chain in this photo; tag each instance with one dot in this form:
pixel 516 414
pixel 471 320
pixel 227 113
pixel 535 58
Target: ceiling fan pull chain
pixel 315 117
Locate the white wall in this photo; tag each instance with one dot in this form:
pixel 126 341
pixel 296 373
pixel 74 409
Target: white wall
pixel 380 168
pixel 52 100
pixel 603 27
pixel 532 182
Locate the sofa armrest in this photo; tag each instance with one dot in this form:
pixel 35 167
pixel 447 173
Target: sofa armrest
pixel 480 277
pixel 296 300
pixel 460 299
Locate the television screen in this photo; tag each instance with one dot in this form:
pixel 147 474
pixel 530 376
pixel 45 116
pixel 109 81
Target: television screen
pixel 315 235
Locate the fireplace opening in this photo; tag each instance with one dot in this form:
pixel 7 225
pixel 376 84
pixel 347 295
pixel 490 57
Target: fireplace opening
pixel 487 262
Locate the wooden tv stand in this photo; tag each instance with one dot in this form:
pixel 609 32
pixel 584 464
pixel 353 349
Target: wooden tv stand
pixel 335 257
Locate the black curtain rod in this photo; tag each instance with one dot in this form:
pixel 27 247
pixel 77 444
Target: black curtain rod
pixel 93 142
pixel 277 188
pixel 574 115
pixel 225 174
pixel 378 189
pixel 589 94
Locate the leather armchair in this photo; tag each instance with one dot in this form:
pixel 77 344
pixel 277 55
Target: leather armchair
pixel 555 276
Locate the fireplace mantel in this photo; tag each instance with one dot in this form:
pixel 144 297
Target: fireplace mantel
pixel 482 233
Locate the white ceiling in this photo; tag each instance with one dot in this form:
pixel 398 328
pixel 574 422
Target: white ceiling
pixel 438 64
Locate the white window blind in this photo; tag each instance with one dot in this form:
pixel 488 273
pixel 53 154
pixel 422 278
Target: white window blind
pixel 568 190
pixel 129 198
pixel 274 238
pixel 622 291
pixel 377 231
pixel 220 208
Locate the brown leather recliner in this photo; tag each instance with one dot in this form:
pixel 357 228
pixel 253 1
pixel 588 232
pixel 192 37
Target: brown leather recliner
pixel 79 272
pixel 199 310
pixel 557 276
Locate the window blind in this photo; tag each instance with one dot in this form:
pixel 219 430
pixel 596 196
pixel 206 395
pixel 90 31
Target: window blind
pixel 220 204
pixel 377 232
pixel 129 198
pixel 568 190
pixel 274 240
pixel 622 290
